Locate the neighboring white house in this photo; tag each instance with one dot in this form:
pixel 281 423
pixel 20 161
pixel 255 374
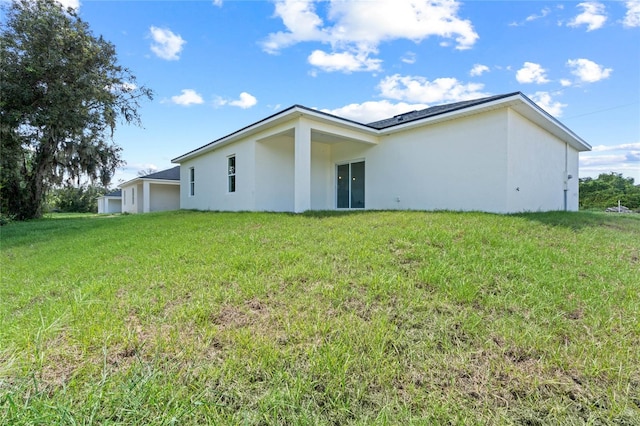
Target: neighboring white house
pixel 110 203
pixel 496 154
pixel 154 192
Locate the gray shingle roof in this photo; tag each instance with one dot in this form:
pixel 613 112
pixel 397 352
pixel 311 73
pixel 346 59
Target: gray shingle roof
pixel 116 193
pixel 433 111
pixel 169 174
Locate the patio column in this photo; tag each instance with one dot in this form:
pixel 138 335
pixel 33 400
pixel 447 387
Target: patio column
pixel 302 167
pixel 146 195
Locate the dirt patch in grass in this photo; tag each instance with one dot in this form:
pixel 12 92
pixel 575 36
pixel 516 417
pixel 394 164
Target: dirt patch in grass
pixel 508 378
pixel 60 359
pixel 250 313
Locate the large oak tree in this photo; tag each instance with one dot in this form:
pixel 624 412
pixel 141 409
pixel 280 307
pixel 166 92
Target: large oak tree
pixel 62 92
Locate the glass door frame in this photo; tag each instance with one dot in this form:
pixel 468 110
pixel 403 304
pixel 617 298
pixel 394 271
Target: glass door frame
pixel 350 190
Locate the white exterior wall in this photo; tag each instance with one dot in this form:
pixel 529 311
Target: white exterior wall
pixel 129 205
pixel 454 165
pixel 350 152
pixel 164 197
pixel 494 161
pixel 114 205
pixel 322 177
pixel 573 184
pixel 109 205
pixel 539 164
pixel 274 174
pixel 211 184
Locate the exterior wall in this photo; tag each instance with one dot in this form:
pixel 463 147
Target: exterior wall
pixel 495 161
pixel 274 171
pixel 129 205
pixel 539 164
pixel 211 184
pixel 349 152
pixel 454 165
pixel 573 184
pixel 322 177
pixel 164 197
pixel 112 205
pixel 134 205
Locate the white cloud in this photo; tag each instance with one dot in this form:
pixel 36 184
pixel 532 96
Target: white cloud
pixel 621 147
pixel 166 44
pixel 628 163
pixel 420 90
pixel 367 112
pixel 358 27
pixel 531 73
pixel 600 160
pixel 302 22
pixel 593 16
pixel 622 158
pixel 188 97
pixel 544 12
pixel 478 69
pixel 245 101
pixel 544 101
pixel 588 71
pixel 217 3
pixel 565 83
pixel 632 18
pixel 409 58
pixel 346 62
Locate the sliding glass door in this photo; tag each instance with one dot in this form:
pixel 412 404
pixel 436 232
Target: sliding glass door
pixel 350 185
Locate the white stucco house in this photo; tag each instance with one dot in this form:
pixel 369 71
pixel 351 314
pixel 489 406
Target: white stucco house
pixel 496 154
pixel 154 192
pixel 110 202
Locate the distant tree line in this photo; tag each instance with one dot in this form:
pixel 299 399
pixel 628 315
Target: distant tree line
pixel 607 189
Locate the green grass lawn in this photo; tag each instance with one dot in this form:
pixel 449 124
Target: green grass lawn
pixel 321 318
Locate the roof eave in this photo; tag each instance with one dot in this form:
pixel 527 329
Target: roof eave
pixel 517 100
pixel 288 114
pixel 532 111
pixel 142 179
pixel 541 117
pixel 129 182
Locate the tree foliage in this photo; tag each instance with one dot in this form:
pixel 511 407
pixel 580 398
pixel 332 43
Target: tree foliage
pixel 607 189
pixel 62 92
pixel 76 198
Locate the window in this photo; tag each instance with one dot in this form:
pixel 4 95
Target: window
pixel 231 173
pixel 124 197
pixel 133 195
pixel 192 182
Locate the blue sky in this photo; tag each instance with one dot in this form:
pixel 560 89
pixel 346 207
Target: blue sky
pixel 218 65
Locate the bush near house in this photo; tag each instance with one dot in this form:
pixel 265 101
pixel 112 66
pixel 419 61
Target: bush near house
pixel 321 318
pixel 606 190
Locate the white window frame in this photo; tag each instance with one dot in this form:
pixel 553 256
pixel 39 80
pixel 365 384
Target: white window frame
pixel 231 174
pixel 192 181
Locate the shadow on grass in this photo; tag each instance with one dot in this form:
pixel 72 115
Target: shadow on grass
pixel 321 214
pixel 51 225
pixel 585 219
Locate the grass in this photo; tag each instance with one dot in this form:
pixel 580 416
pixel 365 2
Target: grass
pixel 322 318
